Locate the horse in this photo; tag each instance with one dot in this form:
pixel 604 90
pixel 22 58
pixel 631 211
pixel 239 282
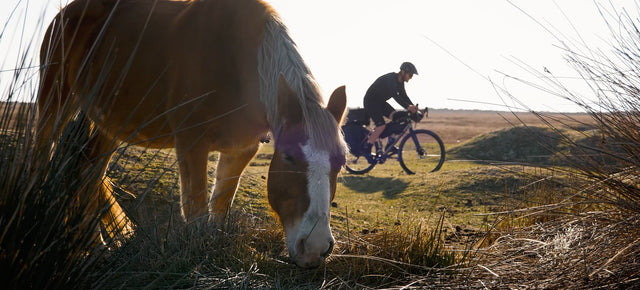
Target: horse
pixel 198 76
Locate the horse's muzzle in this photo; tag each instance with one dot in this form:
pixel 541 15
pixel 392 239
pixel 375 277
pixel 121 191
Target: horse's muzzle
pixel 306 258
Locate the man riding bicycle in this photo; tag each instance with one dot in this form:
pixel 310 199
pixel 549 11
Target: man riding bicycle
pixel 388 86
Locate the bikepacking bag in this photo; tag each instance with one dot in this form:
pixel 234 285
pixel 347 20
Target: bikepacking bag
pixel 358 116
pixel 392 128
pixel 355 135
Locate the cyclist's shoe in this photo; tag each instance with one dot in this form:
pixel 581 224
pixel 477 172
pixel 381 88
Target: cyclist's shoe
pixel 393 150
pixel 379 151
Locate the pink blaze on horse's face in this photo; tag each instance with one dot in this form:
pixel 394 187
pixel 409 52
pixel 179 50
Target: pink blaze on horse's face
pixel 302 180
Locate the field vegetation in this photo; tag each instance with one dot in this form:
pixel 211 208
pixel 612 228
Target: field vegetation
pixel 393 229
pixel 524 200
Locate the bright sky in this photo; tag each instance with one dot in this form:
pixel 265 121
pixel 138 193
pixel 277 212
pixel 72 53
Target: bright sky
pixel 457 46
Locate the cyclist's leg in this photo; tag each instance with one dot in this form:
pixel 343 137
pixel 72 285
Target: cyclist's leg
pixel 375 135
pixel 377 113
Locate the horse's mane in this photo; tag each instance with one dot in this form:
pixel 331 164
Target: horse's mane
pixel 279 54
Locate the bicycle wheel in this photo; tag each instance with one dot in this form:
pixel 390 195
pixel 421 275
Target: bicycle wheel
pixel 422 150
pixel 360 164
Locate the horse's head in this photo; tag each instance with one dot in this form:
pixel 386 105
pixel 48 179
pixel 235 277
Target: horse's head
pixel 303 174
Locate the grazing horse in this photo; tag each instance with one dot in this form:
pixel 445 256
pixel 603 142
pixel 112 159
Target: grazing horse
pixel 198 76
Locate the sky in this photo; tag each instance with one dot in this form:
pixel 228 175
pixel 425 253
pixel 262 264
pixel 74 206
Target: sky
pixel 470 54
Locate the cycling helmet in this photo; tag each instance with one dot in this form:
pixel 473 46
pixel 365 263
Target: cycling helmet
pixel 409 67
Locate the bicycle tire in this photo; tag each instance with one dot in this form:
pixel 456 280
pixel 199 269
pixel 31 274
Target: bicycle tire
pixel 360 164
pixel 431 157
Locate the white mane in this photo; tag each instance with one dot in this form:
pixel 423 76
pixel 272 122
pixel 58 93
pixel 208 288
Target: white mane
pixel 279 54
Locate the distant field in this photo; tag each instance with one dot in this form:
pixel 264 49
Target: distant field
pixel 455 126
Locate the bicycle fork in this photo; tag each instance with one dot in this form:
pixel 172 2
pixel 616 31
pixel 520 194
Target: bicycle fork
pixel 422 153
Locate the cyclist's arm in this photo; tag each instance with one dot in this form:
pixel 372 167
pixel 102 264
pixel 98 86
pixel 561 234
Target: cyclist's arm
pixel 404 101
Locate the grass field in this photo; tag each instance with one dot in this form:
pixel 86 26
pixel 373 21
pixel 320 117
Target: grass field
pixel 457 204
pixel 386 195
pixel 503 201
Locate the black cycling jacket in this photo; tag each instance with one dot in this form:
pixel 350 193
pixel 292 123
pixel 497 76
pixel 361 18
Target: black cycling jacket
pixel 387 87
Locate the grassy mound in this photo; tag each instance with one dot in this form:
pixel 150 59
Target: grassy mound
pixel 522 144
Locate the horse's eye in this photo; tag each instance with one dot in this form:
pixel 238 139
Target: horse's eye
pixel 288 158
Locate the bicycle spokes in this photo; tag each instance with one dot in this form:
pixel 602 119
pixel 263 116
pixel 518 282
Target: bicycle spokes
pixel 422 150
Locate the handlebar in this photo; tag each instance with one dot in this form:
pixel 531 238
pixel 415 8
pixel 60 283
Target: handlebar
pixel 418 115
pixel 424 112
pixel 406 115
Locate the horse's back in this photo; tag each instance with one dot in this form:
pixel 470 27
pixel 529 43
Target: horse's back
pixel 215 74
pixel 141 69
pixel 115 58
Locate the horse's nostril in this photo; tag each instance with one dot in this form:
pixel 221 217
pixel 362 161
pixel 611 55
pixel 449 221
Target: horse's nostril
pixel 300 247
pixel 328 252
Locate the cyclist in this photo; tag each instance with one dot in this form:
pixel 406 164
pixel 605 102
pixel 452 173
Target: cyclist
pixel 388 86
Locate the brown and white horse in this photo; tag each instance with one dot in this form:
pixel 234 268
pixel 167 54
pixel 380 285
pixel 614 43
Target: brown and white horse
pixel 199 76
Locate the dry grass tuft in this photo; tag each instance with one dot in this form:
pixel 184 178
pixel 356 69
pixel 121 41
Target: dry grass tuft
pixel 45 241
pixel 595 242
pixel 590 250
pixel 250 253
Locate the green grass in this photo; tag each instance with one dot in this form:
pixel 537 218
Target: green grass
pixel 381 219
pixel 381 209
pixel 464 191
pixel 381 199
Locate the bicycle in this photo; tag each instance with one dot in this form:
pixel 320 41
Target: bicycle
pixel 417 148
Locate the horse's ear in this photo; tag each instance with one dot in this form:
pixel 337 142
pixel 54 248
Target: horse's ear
pixel 288 103
pixel 338 103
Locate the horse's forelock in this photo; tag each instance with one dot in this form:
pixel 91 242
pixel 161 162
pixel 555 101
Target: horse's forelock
pixel 324 133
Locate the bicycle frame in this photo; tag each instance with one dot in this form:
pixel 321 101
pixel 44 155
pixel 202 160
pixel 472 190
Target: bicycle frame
pixel 389 147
